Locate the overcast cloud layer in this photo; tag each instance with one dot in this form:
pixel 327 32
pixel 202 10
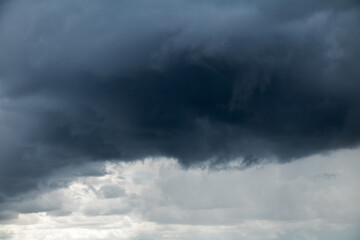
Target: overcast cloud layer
pixel 193 80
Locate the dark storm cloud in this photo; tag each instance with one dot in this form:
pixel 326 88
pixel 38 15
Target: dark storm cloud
pixel 195 80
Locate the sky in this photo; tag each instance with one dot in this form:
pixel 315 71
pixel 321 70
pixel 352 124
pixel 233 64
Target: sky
pixel 202 119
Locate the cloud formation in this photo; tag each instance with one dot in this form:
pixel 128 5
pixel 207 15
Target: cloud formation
pixel 194 80
pixel 316 198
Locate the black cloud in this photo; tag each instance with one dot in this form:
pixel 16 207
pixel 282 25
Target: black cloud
pixel 195 80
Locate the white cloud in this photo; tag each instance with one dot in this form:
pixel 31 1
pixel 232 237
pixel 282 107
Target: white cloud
pixel 313 198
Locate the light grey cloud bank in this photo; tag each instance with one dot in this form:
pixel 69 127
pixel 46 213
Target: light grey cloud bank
pixel 315 198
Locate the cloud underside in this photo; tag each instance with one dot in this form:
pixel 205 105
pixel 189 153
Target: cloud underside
pixel 192 80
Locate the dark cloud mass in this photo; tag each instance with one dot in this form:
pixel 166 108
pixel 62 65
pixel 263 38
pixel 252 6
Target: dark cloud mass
pixel 194 80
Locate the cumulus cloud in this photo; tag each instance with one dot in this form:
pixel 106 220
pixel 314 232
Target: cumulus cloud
pixel 193 80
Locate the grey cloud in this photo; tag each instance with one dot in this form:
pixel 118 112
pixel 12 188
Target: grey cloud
pixel 5 216
pixel 194 80
pixel 110 191
pixel 274 200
